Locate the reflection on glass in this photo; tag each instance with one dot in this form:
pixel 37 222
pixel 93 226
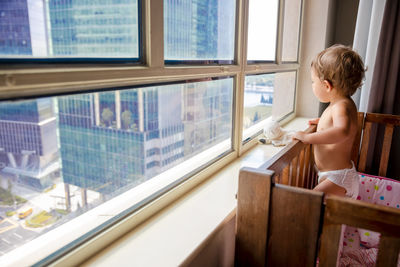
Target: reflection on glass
pixel 268 95
pixel 74 28
pixel 258 98
pixel 291 30
pixel 262 30
pixel 62 156
pixel 199 30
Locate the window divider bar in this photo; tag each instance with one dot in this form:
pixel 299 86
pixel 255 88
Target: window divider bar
pixel 154 25
pixel 241 44
pixel 279 40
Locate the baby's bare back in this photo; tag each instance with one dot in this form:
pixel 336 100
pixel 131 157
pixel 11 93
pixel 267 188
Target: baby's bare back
pixel 336 156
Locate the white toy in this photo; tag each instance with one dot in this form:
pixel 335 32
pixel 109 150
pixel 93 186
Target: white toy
pixel 276 135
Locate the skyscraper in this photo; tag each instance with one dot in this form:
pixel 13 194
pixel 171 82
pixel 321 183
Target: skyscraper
pixel 22 28
pixel 93 28
pixel 28 142
pixel 199 30
pixel 112 141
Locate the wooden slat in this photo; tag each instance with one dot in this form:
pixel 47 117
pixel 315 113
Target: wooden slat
pixel 314 178
pixel 294 226
pixel 307 157
pixel 277 179
pixel 388 251
pixel 387 142
pixel 329 244
pixel 382 219
pixel 357 140
pixel 383 118
pixel 290 173
pixel 364 147
pixel 301 169
pixel 285 175
pixel 294 173
pixel 252 216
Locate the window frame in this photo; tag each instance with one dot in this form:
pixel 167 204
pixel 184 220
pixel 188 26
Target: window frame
pixel 21 80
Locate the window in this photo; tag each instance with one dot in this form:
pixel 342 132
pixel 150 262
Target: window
pixel 93 138
pixel 262 31
pixel 291 31
pixel 267 96
pixel 199 30
pixel 69 29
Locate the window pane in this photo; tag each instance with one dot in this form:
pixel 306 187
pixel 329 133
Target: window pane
pixel 291 30
pixel 65 29
pixel 67 156
pixel 199 30
pixel 267 96
pixel 262 32
pixel 284 94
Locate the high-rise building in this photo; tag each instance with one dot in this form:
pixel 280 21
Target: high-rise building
pixel 112 141
pixel 93 28
pixel 28 142
pixel 22 28
pixel 199 30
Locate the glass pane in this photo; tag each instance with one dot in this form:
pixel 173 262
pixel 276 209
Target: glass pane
pixel 267 96
pixel 67 156
pixel 262 32
pixel 291 30
pixel 65 29
pixel 199 30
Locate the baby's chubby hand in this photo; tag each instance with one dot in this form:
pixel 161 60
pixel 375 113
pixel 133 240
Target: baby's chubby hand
pixel 313 121
pixel 301 136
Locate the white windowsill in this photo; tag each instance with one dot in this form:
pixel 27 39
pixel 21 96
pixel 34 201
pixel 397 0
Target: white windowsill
pixel 170 236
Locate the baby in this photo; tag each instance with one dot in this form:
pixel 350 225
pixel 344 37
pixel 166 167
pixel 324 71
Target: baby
pixel 336 73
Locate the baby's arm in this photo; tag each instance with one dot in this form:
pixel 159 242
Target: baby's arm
pixel 335 134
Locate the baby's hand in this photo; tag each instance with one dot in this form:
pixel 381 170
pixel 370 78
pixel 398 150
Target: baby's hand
pixel 313 121
pixel 300 136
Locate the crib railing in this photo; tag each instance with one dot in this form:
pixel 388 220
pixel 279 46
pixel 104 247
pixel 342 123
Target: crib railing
pixel 294 164
pixel 389 122
pixel 385 220
pixel 280 225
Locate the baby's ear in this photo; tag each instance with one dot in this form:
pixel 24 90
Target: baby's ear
pixel 328 84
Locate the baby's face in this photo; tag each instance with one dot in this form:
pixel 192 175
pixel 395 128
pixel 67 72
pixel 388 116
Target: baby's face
pixel 319 88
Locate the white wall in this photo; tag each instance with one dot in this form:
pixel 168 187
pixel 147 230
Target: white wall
pixel 314 39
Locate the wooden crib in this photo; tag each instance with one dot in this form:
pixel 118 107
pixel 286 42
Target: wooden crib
pixel 280 222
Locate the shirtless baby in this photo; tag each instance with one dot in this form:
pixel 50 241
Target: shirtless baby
pixel 336 73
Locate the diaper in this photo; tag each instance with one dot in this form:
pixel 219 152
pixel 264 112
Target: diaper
pixel 346 178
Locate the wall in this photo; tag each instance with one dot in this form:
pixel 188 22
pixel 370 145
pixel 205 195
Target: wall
pixel 314 39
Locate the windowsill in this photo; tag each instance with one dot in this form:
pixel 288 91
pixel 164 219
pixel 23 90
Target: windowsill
pixel 170 236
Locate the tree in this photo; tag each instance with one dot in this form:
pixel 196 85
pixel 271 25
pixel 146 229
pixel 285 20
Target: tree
pixel 107 115
pixel 262 99
pixel 126 118
pixel 256 117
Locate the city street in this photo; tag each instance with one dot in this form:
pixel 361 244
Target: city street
pixel 14 232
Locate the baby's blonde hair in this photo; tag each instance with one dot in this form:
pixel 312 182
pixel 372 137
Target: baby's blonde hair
pixel 341 66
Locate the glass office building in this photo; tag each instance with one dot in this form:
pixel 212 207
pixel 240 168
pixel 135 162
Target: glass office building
pixel 199 30
pixel 28 142
pixel 95 28
pixel 112 141
pixel 22 28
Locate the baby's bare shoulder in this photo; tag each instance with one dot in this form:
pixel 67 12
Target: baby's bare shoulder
pixel 346 106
